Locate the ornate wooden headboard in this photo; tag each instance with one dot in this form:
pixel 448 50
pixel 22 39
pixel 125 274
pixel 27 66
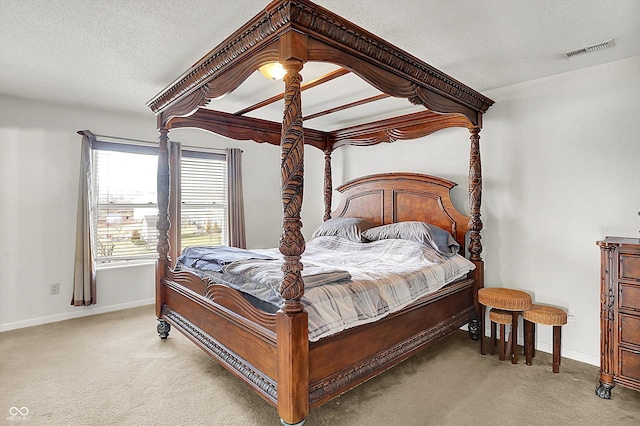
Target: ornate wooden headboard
pixel 398 197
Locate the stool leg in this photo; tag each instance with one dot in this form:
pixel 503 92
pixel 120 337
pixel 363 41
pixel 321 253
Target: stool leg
pixel 528 341
pixel 483 310
pixel 493 338
pixel 502 348
pixel 514 338
pixel 556 348
pixel 534 327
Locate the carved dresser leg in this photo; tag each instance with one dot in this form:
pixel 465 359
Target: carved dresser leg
pixel 474 329
pixel 604 391
pixel 163 328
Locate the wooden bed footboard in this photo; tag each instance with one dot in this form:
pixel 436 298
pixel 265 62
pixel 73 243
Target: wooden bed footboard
pixel 335 366
pixel 220 321
pixel 243 339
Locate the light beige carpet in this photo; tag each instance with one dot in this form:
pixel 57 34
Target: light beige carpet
pixel 112 369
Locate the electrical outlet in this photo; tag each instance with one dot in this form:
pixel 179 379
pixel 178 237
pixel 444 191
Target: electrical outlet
pixel 572 315
pixel 55 288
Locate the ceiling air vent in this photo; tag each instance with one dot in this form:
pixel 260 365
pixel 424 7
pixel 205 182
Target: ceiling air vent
pixel 589 49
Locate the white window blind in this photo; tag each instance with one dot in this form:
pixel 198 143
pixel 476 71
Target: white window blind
pixel 203 183
pixel 125 202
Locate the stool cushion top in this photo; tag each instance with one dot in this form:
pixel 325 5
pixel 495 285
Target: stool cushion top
pixel 504 298
pixel 500 316
pixel 547 315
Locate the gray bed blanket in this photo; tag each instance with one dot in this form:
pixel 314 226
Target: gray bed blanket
pixel 269 273
pixel 214 258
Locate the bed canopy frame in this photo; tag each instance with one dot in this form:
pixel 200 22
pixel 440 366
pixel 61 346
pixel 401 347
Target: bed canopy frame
pixel 295 32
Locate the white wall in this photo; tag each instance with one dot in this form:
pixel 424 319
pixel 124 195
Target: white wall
pixel 39 171
pixel 39 167
pixel 561 169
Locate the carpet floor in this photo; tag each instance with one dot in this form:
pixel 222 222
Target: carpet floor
pixel 112 369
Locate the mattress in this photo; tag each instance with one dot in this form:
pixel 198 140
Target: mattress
pixel 346 283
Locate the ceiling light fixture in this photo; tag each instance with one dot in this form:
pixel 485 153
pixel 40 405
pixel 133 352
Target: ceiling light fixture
pixel 273 71
pixel 589 49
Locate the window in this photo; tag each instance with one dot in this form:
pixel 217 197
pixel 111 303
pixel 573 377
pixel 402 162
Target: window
pixel 125 209
pixel 124 201
pixel 203 186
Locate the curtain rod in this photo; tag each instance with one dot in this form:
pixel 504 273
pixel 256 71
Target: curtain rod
pixel 95 136
pixel 90 134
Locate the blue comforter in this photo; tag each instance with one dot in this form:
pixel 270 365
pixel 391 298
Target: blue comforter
pixel 215 258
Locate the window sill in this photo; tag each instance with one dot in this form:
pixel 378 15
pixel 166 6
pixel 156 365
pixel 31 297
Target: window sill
pixel 125 264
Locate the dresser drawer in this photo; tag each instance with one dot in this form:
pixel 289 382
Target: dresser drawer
pixel 629 297
pixel 629 330
pixel 629 267
pixel 630 364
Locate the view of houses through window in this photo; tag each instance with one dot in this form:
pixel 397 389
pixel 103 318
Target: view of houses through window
pixel 125 209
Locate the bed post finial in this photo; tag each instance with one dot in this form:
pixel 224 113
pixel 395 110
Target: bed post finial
pixel 292 242
pixel 475 196
pixel 328 184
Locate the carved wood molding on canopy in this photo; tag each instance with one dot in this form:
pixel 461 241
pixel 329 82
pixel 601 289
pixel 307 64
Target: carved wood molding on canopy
pixel 405 127
pixel 410 126
pixel 331 38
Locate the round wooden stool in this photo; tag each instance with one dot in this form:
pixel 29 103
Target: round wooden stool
pixel 503 318
pixel 506 299
pixel 547 315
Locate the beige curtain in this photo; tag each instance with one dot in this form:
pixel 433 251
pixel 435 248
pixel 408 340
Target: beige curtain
pixel 84 276
pixel 237 236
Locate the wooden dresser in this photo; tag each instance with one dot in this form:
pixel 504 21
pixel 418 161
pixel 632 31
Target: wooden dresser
pixel 619 314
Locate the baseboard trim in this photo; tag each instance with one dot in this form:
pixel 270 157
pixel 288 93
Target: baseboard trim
pixel 566 353
pixel 547 348
pixel 81 312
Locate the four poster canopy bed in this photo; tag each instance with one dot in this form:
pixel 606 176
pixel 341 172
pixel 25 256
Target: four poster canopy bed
pixel 284 353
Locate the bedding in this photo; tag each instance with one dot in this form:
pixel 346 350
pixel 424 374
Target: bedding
pixel 213 258
pixel 347 227
pixel 348 283
pixel 421 232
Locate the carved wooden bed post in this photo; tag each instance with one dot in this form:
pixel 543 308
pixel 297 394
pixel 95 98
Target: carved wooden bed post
pixel 328 184
pixel 475 226
pixel 163 227
pixel 292 321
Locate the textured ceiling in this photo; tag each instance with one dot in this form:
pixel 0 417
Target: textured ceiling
pixel 118 54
